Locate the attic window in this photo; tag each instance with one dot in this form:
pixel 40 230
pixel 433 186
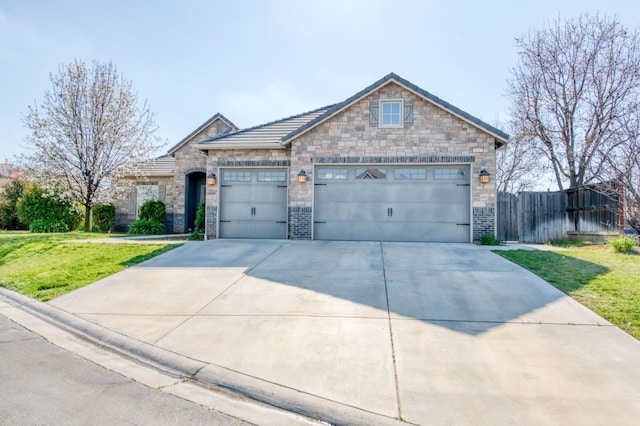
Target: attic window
pixel 391 113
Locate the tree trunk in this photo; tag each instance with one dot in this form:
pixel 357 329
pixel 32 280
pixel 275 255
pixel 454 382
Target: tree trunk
pixel 87 219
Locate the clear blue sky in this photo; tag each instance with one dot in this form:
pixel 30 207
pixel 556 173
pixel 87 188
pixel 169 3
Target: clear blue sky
pixel 256 61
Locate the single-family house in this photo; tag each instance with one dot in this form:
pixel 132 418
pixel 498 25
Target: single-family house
pixel 393 162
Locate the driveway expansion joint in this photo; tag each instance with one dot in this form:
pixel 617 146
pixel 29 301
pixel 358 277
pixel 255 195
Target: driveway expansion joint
pixel 393 349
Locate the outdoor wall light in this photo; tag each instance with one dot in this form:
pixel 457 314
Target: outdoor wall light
pixel 211 179
pixel 302 176
pixel 484 176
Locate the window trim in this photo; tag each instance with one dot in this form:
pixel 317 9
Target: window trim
pixel 400 113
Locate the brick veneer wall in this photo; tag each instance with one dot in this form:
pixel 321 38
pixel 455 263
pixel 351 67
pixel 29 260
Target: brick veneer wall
pixel 483 222
pixel 300 223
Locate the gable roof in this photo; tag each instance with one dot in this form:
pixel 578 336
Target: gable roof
pixel 154 167
pixel 201 128
pixel 268 135
pixel 501 137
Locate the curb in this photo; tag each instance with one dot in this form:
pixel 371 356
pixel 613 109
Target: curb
pixel 211 375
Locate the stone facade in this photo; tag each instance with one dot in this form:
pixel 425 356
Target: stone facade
pixel 434 135
pixel 188 159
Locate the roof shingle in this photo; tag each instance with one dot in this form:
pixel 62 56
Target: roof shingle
pixel 268 135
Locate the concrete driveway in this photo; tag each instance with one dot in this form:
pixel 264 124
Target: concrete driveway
pixel 429 333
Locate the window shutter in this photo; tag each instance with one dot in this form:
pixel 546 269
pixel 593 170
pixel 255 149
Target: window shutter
pixel 408 112
pixel 132 212
pixel 373 113
pixel 162 192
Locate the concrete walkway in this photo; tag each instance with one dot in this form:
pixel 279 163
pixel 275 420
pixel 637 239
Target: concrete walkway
pixel 364 332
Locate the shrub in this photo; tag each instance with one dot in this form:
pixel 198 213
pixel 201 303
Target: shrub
pixel 622 244
pixel 35 204
pixel 48 225
pixel 10 194
pixel 196 236
pixel 146 227
pixel 489 240
pixel 153 210
pixel 104 216
pixel 199 222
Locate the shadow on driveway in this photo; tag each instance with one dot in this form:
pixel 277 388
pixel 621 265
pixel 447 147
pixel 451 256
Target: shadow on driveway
pixel 443 284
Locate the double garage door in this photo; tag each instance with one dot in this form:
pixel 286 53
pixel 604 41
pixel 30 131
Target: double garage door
pixel 363 203
pixel 392 203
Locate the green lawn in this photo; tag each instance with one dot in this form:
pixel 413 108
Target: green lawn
pixel 606 282
pixel 43 266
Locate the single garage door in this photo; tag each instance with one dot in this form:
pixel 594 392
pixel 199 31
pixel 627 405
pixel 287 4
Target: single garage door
pixel 253 203
pixel 392 203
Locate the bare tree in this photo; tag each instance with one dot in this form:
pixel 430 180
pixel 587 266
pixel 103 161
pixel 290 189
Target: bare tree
pixel 624 169
pixel 88 128
pixel 516 165
pixel 573 90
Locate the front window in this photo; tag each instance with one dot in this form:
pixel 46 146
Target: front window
pixel 391 114
pixel 144 193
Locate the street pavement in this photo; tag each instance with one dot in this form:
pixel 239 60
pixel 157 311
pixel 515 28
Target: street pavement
pixel 365 332
pixel 43 384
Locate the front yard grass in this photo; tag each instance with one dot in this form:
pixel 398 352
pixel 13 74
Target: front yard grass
pixel 608 283
pixel 44 266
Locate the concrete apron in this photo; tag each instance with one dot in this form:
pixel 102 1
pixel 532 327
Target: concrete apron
pixel 429 333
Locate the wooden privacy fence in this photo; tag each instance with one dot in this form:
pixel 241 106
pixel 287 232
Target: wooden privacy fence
pixel 540 217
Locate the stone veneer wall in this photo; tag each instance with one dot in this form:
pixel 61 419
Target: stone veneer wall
pixel 211 221
pixel 188 158
pixel 435 136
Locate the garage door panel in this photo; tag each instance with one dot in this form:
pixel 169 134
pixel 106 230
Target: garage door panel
pixel 236 211
pixel 252 208
pixel 411 231
pixel 254 193
pixel 437 212
pixel 352 211
pixel 394 210
pixel 253 229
